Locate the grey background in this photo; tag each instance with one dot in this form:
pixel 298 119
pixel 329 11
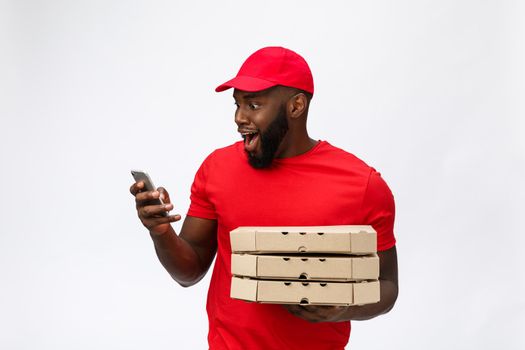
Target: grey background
pixel 430 93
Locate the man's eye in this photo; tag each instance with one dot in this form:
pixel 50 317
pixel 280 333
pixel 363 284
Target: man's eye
pixel 236 105
pixel 254 105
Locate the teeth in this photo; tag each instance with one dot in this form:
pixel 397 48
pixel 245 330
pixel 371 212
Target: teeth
pixel 250 135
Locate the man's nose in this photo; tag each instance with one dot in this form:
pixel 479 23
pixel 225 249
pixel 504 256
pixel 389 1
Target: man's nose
pixel 240 117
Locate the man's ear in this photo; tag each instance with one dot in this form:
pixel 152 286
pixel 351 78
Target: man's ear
pixel 297 105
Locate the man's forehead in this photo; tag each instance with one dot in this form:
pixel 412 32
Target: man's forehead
pixel 241 94
pixel 274 91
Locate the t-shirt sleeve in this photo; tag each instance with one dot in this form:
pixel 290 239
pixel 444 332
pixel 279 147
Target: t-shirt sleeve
pixel 379 210
pixel 200 204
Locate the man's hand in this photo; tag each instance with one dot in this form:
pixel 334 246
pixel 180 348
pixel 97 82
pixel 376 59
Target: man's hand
pixel 149 214
pixel 388 290
pixel 317 313
pixel 187 256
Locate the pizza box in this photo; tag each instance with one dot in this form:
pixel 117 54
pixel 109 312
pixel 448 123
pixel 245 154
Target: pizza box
pixel 343 239
pixel 305 293
pixel 342 268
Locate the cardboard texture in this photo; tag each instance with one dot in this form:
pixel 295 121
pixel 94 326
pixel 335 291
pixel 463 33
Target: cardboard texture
pixel 344 239
pixel 318 267
pixel 305 293
pixel 309 265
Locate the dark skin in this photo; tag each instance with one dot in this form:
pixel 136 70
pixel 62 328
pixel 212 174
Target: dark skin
pixel 187 256
pixel 256 110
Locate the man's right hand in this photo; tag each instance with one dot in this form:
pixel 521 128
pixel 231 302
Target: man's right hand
pixel 151 215
pixel 186 256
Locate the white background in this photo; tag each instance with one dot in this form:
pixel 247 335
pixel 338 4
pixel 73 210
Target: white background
pixel 430 93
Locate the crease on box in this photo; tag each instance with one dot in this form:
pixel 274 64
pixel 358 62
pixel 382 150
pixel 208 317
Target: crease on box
pixel 243 288
pixel 244 265
pixel 367 292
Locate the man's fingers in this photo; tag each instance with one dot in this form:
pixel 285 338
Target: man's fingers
pixel 164 195
pixel 136 187
pixel 153 222
pixel 293 309
pixel 164 220
pixel 316 313
pixel 154 210
pixel 146 196
pixel 300 311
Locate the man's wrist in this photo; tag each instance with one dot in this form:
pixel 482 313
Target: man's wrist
pixel 161 235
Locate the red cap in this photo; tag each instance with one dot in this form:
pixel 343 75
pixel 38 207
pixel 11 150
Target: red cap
pixel 271 66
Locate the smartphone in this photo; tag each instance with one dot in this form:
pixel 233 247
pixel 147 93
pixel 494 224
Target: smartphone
pixel 140 175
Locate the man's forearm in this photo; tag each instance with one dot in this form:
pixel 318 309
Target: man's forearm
pixel 178 258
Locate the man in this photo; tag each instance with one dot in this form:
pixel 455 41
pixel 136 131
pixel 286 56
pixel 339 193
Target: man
pixel 276 176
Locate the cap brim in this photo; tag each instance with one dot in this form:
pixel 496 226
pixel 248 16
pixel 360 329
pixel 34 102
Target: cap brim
pixel 246 84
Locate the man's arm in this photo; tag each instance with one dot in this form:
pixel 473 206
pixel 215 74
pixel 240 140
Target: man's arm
pixel 188 256
pixel 389 290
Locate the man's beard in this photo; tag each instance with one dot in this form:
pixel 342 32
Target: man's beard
pixel 270 140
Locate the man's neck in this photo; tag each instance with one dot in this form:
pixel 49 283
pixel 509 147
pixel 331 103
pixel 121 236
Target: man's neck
pixel 294 145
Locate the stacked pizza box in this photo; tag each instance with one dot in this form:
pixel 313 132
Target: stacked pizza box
pixel 316 265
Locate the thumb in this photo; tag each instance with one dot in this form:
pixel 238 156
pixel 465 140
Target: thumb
pixel 164 195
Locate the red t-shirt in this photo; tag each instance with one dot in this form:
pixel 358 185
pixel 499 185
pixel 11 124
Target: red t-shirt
pixel 325 186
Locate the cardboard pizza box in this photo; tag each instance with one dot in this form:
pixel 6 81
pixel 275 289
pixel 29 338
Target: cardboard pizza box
pixel 305 293
pixel 344 239
pixel 324 268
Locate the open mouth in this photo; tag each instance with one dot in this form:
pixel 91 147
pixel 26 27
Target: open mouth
pixel 250 140
pixel 249 136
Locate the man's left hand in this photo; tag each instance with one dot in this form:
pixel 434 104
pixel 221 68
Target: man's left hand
pixel 317 313
pixel 388 290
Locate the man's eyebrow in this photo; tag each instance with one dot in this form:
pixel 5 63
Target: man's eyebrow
pixel 250 95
